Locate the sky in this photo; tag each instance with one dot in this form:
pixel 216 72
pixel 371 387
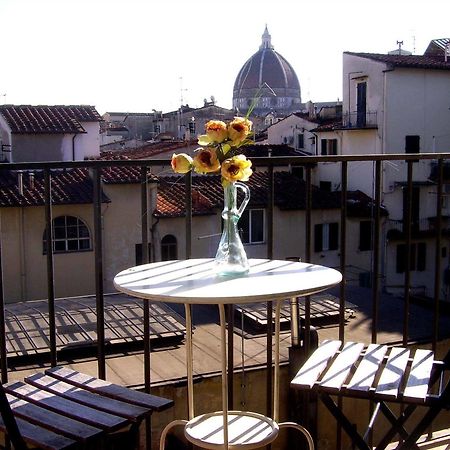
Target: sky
pixel 144 55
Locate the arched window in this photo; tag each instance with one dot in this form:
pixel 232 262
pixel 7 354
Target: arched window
pixel 169 249
pixel 70 234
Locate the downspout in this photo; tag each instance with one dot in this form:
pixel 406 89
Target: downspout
pixel 153 246
pixel 73 147
pixel 316 142
pixel 23 269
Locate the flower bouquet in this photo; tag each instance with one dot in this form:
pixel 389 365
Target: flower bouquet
pixel 219 153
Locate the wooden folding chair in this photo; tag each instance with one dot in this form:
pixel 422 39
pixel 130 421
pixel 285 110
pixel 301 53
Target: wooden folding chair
pixel 65 409
pixel 383 375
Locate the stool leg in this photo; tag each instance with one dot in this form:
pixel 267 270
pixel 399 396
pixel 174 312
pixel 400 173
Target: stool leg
pixel 301 429
pixel 174 423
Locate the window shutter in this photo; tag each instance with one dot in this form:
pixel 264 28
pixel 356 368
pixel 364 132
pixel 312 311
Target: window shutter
pixel 318 246
pixel 401 255
pixel 334 146
pixel 365 235
pixel 323 147
pixel 421 256
pixel 412 144
pixel 334 236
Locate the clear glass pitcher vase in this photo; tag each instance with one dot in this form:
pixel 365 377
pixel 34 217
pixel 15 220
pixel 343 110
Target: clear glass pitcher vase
pixel 231 258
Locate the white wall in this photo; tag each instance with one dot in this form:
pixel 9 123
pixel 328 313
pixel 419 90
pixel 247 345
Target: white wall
pixel 287 129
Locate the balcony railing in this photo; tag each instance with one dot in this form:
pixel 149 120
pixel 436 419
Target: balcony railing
pixel 357 120
pixel 300 334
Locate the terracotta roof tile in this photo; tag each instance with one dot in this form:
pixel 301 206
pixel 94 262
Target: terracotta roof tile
pixel 149 150
pixel 125 174
pixel 289 190
pixel 48 119
pixel 73 186
pixel 411 61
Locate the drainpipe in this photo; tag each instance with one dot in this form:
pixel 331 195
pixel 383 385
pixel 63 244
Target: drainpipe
pixel 73 147
pixel 153 246
pixel 23 269
pixel 316 144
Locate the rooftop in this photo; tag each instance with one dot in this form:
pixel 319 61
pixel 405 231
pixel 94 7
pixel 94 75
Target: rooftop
pixel 24 119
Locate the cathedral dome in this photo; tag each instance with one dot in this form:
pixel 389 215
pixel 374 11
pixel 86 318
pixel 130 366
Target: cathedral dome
pixel 272 74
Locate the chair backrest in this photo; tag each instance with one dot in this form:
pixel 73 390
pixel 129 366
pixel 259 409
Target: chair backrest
pixel 12 430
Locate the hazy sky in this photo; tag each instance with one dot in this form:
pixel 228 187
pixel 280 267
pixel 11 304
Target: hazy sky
pixel 139 55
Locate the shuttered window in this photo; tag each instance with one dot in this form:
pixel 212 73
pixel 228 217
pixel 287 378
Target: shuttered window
pixel 418 255
pixel 326 236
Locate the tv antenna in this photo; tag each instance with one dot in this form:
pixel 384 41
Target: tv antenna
pixel 181 91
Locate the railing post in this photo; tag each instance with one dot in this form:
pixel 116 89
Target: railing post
pixel 3 352
pixel 188 207
pixel 269 306
pixel 407 230
pixel 343 251
pixel 100 304
pixel 145 303
pixel 437 259
pixel 376 252
pixel 50 269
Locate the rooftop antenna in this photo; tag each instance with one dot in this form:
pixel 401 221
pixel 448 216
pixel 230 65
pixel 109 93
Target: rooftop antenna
pixel 400 43
pixel 181 91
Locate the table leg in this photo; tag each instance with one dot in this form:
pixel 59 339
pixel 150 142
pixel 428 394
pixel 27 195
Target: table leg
pixel 189 362
pixel 276 384
pixel 223 344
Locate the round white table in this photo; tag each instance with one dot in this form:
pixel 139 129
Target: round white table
pixel 193 282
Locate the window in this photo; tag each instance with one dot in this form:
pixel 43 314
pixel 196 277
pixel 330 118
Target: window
pixel 326 236
pixel 325 186
pixel 300 141
pixel 70 234
pixel 328 147
pixel 192 127
pixel 365 235
pixel 169 250
pixel 251 226
pixel 138 253
pixel 361 104
pixel 412 144
pixel 417 257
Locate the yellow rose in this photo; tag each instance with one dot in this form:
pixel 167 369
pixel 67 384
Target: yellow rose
pixel 181 163
pixel 205 160
pixel 216 131
pixel 236 168
pixel 239 129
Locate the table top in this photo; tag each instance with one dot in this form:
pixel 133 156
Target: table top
pixel 194 281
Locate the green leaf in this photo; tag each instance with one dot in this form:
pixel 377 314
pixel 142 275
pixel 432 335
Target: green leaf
pixel 226 148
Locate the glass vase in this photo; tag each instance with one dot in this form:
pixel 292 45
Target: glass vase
pixel 231 258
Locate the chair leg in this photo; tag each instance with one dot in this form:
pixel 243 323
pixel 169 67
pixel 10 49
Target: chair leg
pixel 299 428
pixel 174 423
pixel 12 430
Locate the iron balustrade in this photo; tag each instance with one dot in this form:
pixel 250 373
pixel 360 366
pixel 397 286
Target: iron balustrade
pixel 272 163
pixel 361 119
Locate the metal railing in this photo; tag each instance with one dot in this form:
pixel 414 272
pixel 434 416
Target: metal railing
pixel 357 119
pixel 272 164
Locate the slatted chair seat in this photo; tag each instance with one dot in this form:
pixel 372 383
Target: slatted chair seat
pixel 380 374
pixel 65 409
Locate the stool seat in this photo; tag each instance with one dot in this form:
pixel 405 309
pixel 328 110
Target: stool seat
pixel 246 430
